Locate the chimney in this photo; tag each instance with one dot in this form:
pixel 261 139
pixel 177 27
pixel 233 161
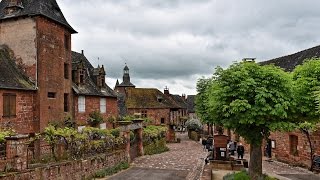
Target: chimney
pixel 82 52
pixel 166 91
pixel 184 96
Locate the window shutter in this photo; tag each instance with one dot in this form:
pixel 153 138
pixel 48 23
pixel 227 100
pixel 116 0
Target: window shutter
pixel 12 105
pixel 6 105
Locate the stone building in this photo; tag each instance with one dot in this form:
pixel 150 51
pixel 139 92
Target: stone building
pixel 41 80
pixel 38 38
pixel 91 93
pixel 17 96
pixel 160 108
pixel 293 147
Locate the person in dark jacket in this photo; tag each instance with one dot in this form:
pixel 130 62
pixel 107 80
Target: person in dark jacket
pixel 240 151
pixel 204 142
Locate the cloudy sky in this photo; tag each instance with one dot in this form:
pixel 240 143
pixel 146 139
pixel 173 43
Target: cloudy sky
pixel 174 42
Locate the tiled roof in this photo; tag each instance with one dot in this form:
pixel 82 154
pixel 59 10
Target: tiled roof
pixel 289 62
pixel 191 103
pixel 11 77
pixel 47 8
pixel 148 98
pixel 89 87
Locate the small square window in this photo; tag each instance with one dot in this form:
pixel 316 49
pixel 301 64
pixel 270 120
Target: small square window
pixel 162 120
pixel 51 95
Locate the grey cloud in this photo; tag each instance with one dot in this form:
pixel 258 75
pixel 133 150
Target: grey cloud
pixel 177 41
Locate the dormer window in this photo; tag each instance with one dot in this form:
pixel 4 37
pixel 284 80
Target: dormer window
pixel 159 98
pixel 81 76
pixel 14 6
pixel 15 3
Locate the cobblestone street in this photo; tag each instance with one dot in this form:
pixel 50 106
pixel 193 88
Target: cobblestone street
pixel 185 160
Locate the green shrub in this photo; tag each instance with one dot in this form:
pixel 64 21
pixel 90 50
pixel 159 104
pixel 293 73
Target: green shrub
pixel 194 136
pixel 115 132
pixel 95 118
pixel 157 147
pixel 194 124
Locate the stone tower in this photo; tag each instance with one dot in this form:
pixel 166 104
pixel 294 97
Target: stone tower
pixel 39 37
pixel 126 83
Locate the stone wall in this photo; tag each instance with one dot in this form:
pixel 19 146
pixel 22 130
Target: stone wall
pixel 24 121
pixel 20 36
pixel 71 170
pixel 282 147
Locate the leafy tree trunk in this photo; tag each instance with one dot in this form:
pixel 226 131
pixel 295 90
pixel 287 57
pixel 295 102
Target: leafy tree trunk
pixel 255 166
pixel 305 132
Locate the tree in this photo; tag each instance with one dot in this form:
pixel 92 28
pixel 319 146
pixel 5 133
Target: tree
pixel 306 96
pixel 250 99
pixel 201 102
pixel 306 83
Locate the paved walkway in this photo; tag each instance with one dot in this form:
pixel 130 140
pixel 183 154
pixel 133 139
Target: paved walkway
pixel 276 169
pixel 185 160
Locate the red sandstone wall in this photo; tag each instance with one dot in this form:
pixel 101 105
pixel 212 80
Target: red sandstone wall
pixel 93 104
pixel 72 170
pixel 24 121
pixel 51 55
pixel 282 150
pixel 154 114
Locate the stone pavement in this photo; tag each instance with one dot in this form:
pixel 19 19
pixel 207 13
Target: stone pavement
pixel 184 160
pixel 276 169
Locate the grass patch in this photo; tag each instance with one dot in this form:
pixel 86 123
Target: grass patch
pixel 112 170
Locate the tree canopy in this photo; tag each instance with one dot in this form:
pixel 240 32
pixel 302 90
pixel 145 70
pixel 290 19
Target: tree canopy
pixel 306 78
pixel 250 98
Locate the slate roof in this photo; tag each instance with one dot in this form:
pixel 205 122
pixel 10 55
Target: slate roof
pixel 11 77
pixel 89 87
pixel 126 84
pixel 148 98
pixel 191 103
pixel 47 8
pixel 289 62
pixel 179 101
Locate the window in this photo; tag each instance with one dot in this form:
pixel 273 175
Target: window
pixel 66 42
pixel 9 105
pixel 103 105
pixel 82 104
pixel 51 95
pixel 81 76
pixel 66 71
pixel 162 120
pixel 66 102
pixel 293 140
pixel 144 114
pixel 102 81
